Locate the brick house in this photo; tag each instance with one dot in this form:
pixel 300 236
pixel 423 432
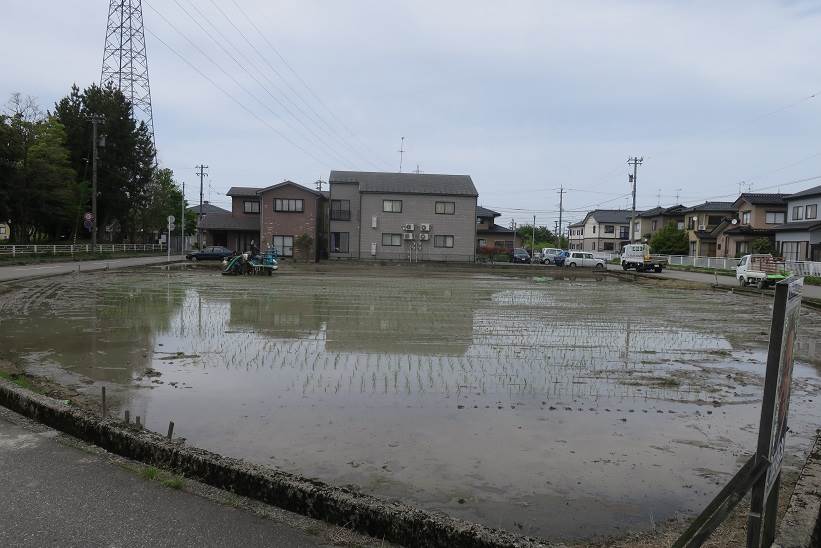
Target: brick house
pixel 275 215
pixel 289 210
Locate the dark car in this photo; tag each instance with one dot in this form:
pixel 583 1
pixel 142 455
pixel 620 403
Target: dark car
pixel 558 260
pixel 520 255
pixel 212 253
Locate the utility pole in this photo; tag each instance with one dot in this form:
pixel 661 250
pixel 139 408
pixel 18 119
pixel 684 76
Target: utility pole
pixel 635 162
pixel 96 119
pixel 319 183
pixel 533 238
pixel 182 221
pixel 401 152
pixel 561 208
pixel 202 174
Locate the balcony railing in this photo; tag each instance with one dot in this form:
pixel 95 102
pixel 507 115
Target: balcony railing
pixel 340 214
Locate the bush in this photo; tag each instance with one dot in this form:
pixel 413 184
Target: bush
pixel 670 241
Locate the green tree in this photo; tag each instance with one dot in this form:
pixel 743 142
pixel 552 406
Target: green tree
pixel 37 184
pixel 163 198
pixel 762 245
pixel 670 241
pixel 126 166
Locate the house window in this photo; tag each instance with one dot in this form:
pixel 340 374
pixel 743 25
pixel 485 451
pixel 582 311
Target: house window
pixel 340 210
pixel 594 229
pixel 745 217
pixel 791 251
pixel 680 225
pixel 392 206
pixel 445 208
pixel 284 245
pixel 250 206
pixel 478 220
pixel 713 220
pixel 653 225
pixel 391 239
pixel 482 242
pixel 340 242
pixel 593 246
pixel 609 229
pixel 636 228
pixel 624 232
pixel 742 248
pixel 812 212
pixel 797 213
pixel 774 217
pixel 289 206
pixel 442 241
pixel 607 246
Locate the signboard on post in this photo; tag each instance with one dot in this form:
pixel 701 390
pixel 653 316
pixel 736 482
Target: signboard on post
pixel 772 431
pixel 762 472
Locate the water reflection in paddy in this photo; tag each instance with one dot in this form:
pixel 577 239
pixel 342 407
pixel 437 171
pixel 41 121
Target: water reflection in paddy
pixel 561 408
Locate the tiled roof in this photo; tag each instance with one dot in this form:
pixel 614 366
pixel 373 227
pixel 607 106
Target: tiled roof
pixel 289 183
pixel 615 216
pixel 407 183
pixel 711 206
pixel 495 229
pixel 799 225
pixel 207 209
pixel 760 198
pixel 814 191
pixel 243 191
pixel 485 212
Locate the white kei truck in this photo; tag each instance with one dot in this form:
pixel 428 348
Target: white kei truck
pixel 759 270
pixel 638 256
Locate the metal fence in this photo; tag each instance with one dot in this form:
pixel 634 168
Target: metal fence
pixel 722 263
pixel 62 249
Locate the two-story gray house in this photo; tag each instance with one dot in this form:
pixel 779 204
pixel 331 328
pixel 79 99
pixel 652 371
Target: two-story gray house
pixel 402 216
pixel 799 239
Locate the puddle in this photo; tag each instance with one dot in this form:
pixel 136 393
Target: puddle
pixel 562 409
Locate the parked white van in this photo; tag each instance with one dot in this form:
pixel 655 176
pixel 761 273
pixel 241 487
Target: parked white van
pixel 583 259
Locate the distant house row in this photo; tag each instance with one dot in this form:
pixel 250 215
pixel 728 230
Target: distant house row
pixel 364 215
pixel 715 229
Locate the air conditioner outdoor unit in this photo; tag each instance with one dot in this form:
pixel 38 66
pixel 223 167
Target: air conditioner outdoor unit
pixel 407 236
pixel 702 227
pixel 424 237
pixel 408 227
pixel 424 227
pixel 373 221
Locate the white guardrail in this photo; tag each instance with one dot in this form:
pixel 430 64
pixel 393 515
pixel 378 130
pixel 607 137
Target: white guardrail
pixel 799 268
pixel 52 249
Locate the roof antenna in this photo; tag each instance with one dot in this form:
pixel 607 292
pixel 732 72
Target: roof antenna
pixel 401 152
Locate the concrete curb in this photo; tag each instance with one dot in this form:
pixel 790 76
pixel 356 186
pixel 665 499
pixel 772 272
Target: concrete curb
pixel 393 521
pixel 801 525
pixel 88 271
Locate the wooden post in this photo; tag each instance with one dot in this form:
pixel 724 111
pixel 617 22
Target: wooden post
pixel 170 429
pixel 103 401
pixel 127 416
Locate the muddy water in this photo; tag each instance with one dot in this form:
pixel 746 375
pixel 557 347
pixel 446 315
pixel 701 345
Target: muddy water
pixel 560 408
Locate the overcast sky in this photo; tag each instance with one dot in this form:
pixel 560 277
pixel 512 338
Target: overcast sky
pixel 524 96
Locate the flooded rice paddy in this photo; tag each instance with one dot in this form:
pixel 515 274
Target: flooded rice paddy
pixel 563 408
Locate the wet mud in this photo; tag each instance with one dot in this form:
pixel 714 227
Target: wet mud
pixel 558 408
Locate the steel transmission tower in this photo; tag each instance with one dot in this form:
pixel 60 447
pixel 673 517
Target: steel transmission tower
pixel 125 61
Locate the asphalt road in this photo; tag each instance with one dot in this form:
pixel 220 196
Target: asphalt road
pixel 812 291
pixel 57 493
pixel 8 273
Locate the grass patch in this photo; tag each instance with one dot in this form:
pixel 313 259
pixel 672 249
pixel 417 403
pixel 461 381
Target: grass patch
pixel 812 280
pixel 149 473
pixel 20 380
pixel 25 259
pixel 175 482
pixel 152 473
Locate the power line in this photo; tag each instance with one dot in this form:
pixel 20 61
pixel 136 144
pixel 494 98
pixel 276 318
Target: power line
pixel 237 101
pixel 298 77
pixel 213 62
pixel 316 116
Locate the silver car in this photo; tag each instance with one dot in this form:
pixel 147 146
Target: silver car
pixel 583 259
